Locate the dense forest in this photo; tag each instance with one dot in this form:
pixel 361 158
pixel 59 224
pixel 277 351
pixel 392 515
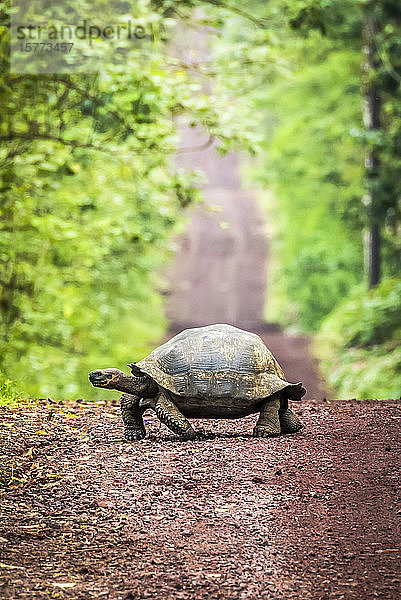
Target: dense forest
pixel 91 194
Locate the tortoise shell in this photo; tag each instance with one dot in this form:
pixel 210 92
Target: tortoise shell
pixel 217 361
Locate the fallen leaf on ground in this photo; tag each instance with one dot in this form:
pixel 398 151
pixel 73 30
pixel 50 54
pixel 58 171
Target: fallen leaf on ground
pixel 10 566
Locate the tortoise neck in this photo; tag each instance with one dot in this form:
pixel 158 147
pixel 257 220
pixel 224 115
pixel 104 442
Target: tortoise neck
pixel 137 386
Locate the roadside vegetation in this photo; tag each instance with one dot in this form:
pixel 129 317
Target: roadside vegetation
pixel 9 394
pixel 359 343
pixel 90 197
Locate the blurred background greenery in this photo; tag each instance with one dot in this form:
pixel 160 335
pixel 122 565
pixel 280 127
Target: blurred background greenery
pixel 91 196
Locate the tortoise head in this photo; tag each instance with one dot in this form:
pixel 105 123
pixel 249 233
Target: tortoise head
pixel 114 379
pixel 107 378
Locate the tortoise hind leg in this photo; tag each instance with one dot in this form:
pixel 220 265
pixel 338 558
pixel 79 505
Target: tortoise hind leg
pixel 268 424
pixel 131 413
pixel 173 418
pixel 289 421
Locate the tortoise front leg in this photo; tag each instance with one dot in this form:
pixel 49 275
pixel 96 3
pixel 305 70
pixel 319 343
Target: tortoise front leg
pixel 268 424
pixel 289 421
pixel 173 418
pixel 131 412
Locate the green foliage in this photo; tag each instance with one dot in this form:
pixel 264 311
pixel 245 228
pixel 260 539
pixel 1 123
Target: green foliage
pixel 315 169
pixel 372 318
pixel 345 20
pixel 8 391
pixel 304 89
pixel 303 95
pixel 83 230
pixel 90 197
pixel 360 343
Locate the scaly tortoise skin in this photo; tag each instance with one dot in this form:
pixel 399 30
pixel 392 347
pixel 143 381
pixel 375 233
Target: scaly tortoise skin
pixel 218 372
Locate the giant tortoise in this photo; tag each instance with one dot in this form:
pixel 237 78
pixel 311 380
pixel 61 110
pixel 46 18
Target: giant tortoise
pixel 216 372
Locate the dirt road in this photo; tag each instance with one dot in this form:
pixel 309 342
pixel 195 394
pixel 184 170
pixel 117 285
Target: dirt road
pixel 314 515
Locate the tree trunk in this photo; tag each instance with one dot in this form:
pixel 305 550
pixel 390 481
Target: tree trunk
pixel 374 255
